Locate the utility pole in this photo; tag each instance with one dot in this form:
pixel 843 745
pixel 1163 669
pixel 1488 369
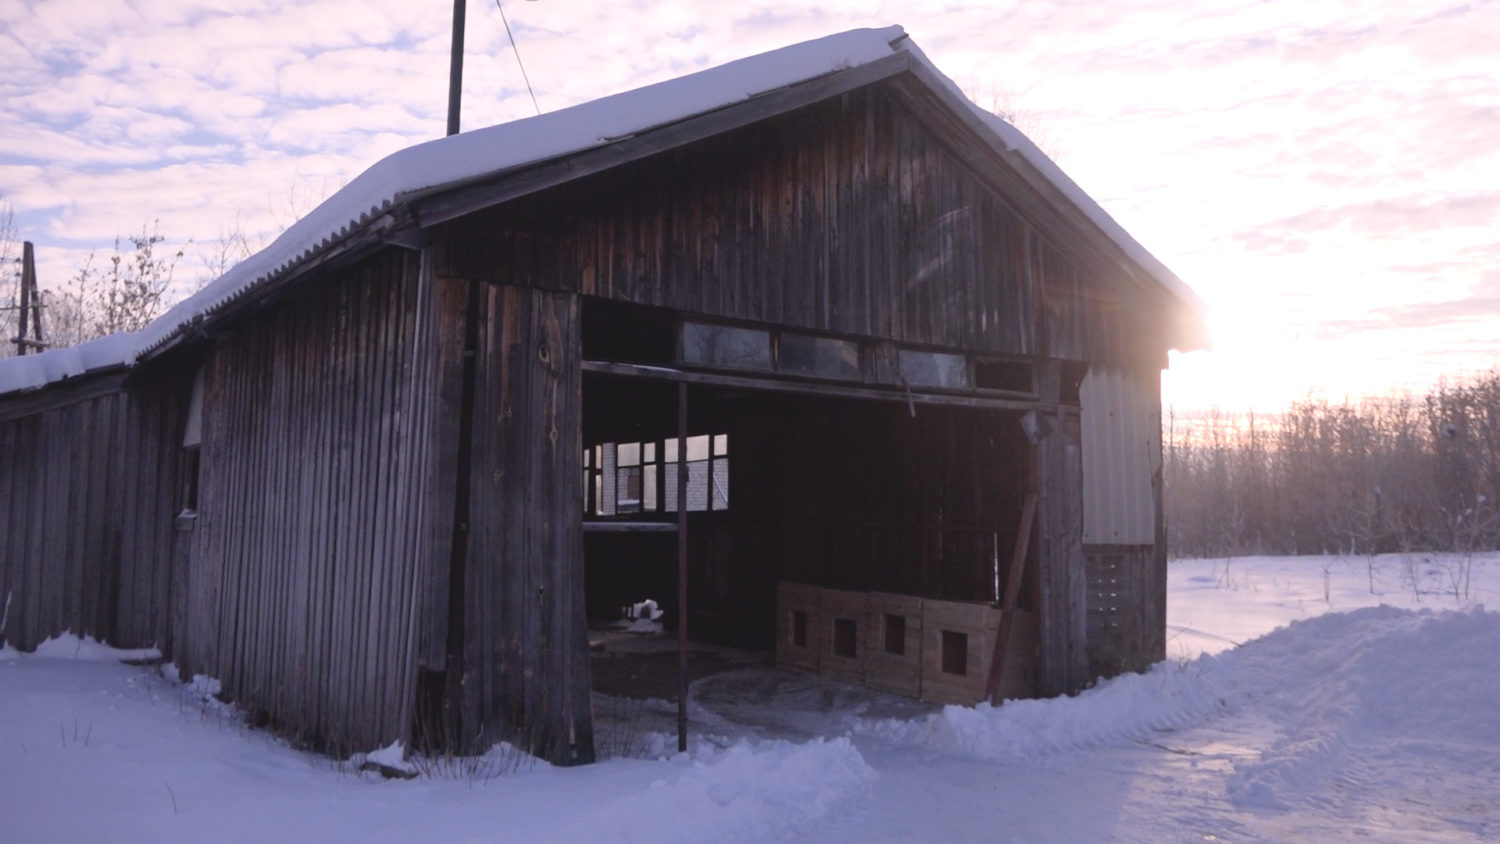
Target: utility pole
pixel 456 67
pixel 30 318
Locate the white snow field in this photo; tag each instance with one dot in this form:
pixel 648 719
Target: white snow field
pixel 1304 699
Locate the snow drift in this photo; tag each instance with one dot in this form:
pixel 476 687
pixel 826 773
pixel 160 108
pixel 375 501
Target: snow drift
pixel 1378 699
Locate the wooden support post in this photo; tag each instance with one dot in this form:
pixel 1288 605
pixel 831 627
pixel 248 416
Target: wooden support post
pixel 1062 601
pixel 1008 598
pixel 682 550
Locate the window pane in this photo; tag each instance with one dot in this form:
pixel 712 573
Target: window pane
pixel 697 486
pixel 933 369
pixel 628 484
pixel 608 486
pixel 697 448
pixel 648 490
pixel 587 473
pixel 821 356
pixel 630 454
pixel 721 483
pixel 702 491
pixel 726 346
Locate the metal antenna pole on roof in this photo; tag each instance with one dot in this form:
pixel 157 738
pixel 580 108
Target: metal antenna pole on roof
pixel 456 67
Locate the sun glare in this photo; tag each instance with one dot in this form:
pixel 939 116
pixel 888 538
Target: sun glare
pixel 1255 363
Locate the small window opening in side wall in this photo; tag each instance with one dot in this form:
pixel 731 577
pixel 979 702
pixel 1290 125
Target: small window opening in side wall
pixel 189 462
pixel 188 495
pixel 1009 375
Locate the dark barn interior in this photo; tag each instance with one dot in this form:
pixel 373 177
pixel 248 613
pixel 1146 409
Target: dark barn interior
pixel 886 492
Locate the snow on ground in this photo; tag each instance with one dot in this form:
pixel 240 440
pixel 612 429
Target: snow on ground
pixel 1304 699
pixel 1217 604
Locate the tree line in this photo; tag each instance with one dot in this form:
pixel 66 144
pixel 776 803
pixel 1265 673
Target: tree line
pixel 1377 475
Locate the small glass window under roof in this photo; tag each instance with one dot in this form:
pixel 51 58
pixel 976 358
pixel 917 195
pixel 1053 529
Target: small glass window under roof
pixel 825 357
pixel 725 346
pixel 933 369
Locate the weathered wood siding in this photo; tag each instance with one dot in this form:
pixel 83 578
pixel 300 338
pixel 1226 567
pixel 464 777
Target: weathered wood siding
pixel 1063 587
pixel 309 542
pixel 88 492
pixel 849 216
pixel 526 663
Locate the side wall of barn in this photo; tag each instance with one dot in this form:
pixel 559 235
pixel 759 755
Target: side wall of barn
pixel 90 478
pixel 308 556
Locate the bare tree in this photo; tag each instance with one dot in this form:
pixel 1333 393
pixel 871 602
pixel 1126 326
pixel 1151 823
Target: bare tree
pixel 232 246
pixel 10 280
pixel 125 295
pixel 1003 102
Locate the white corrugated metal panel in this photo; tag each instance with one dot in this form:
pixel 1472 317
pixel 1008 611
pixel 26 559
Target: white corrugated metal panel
pixel 1121 423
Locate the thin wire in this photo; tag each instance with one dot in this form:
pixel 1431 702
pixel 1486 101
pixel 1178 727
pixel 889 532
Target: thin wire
pixel 517 51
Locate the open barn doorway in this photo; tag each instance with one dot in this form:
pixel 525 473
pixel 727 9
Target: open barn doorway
pixel 792 484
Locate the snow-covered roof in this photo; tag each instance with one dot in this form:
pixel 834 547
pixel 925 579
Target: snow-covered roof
pixel 465 157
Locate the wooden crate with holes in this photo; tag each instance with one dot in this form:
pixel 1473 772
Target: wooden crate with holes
pixel 958 640
pixel 893 643
pixel 842 615
pixel 800 639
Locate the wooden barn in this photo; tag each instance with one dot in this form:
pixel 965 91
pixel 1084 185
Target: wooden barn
pixel 810 325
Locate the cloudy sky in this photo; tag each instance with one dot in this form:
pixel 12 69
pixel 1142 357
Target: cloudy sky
pixel 1325 173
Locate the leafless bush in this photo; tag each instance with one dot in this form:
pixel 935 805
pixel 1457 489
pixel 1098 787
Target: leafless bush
pixel 123 295
pixel 10 280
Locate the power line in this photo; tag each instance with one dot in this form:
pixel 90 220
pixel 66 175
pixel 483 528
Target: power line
pixel 517 51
